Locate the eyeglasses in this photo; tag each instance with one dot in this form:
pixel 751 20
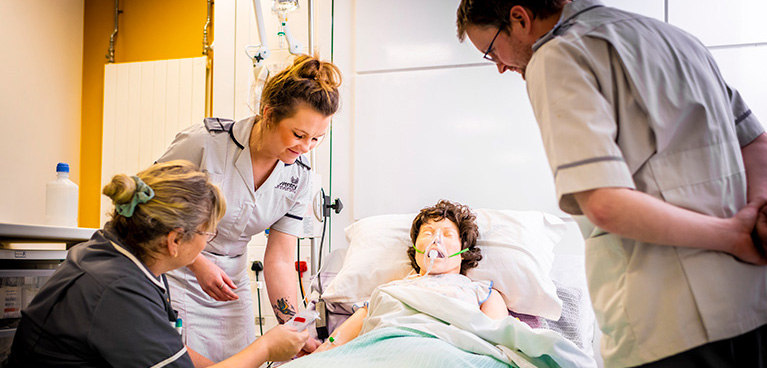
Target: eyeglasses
pixel 210 235
pixel 490 48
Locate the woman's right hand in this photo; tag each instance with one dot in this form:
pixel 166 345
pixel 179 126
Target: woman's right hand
pixel 213 280
pixel 284 342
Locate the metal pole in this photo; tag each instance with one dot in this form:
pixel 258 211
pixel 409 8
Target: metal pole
pixel 111 51
pixel 315 251
pixel 311 27
pixel 205 46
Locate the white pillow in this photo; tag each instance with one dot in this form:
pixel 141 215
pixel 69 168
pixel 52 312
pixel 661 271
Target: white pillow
pixel 516 255
pixel 377 254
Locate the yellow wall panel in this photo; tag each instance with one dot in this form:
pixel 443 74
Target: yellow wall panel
pixel 148 30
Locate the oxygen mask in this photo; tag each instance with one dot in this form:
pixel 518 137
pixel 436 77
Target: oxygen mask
pixel 436 249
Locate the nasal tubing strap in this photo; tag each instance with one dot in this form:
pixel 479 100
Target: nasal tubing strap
pixel 452 255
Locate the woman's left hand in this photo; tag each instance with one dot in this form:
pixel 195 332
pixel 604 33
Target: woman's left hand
pixel 213 280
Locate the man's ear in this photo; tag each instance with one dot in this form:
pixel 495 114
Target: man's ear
pixel 523 16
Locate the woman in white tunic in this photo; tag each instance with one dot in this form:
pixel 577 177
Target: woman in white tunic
pixel 257 162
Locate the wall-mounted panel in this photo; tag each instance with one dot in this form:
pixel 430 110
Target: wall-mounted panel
pixel 720 23
pixel 145 105
pixel 402 34
pixel 651 8
pixel 743 69
pixel 465 134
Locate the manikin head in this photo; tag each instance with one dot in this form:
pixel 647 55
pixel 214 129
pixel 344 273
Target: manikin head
pixel 448 228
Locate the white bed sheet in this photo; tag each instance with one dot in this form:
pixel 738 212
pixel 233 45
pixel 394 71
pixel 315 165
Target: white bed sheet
pixel 577 322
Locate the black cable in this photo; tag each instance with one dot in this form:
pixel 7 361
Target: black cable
pixel 301 287
pixel 260 317
pixel 298 271
pixel 256 267
pixel 319 261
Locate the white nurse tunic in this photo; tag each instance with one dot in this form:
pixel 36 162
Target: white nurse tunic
pixel 218 330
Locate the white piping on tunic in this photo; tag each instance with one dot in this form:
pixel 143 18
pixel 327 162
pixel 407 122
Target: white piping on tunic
pixel 138 263
pixel 171 359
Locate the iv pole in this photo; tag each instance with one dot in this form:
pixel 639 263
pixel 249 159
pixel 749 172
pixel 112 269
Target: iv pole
pixel 262 50
pixel 261 73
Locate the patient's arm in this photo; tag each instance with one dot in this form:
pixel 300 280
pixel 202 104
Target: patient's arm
pixel 346 332
pixel 494 307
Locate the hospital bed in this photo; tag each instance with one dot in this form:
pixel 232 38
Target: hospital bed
pixel 535 260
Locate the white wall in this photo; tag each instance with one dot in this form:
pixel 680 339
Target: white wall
pixel 423 111
pixel 418 95
pixel 40 95
pixel 423 117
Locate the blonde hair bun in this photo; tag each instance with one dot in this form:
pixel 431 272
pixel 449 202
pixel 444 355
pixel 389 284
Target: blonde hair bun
pixel 120 189
pixel 309 81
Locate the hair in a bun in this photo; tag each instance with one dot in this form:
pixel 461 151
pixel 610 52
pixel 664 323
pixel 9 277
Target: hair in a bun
pixel 183 198
pixel 309 81
pixel 120 189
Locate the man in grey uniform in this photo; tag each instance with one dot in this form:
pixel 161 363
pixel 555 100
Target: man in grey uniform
pixel 647 140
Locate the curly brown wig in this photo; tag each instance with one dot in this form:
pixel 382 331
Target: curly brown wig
pixel 463 218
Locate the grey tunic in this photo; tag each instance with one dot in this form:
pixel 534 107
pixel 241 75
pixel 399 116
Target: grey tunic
pixel 627 101
pixel 101 308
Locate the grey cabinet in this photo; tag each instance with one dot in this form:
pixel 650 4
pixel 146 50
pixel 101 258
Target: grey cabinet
pixel 29 254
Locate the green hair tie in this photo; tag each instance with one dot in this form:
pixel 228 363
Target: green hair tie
pixel 142 194
pixel 452 255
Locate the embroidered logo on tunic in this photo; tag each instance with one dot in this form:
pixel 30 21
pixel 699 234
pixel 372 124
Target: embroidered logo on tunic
pixel 289 187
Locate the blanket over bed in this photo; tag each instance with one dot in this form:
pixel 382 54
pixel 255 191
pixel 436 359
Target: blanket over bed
pixel 408 326
pixel 464 326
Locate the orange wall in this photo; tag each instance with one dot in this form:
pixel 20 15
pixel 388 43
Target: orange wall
pixel 148 30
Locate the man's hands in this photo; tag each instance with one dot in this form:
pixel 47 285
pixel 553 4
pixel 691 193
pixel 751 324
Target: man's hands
pixel 760 232
pixel 751 222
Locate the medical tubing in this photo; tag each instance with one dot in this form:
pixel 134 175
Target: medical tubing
pixel 298 271
pixel 457 253
pixel 433 256
pixel 334 340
